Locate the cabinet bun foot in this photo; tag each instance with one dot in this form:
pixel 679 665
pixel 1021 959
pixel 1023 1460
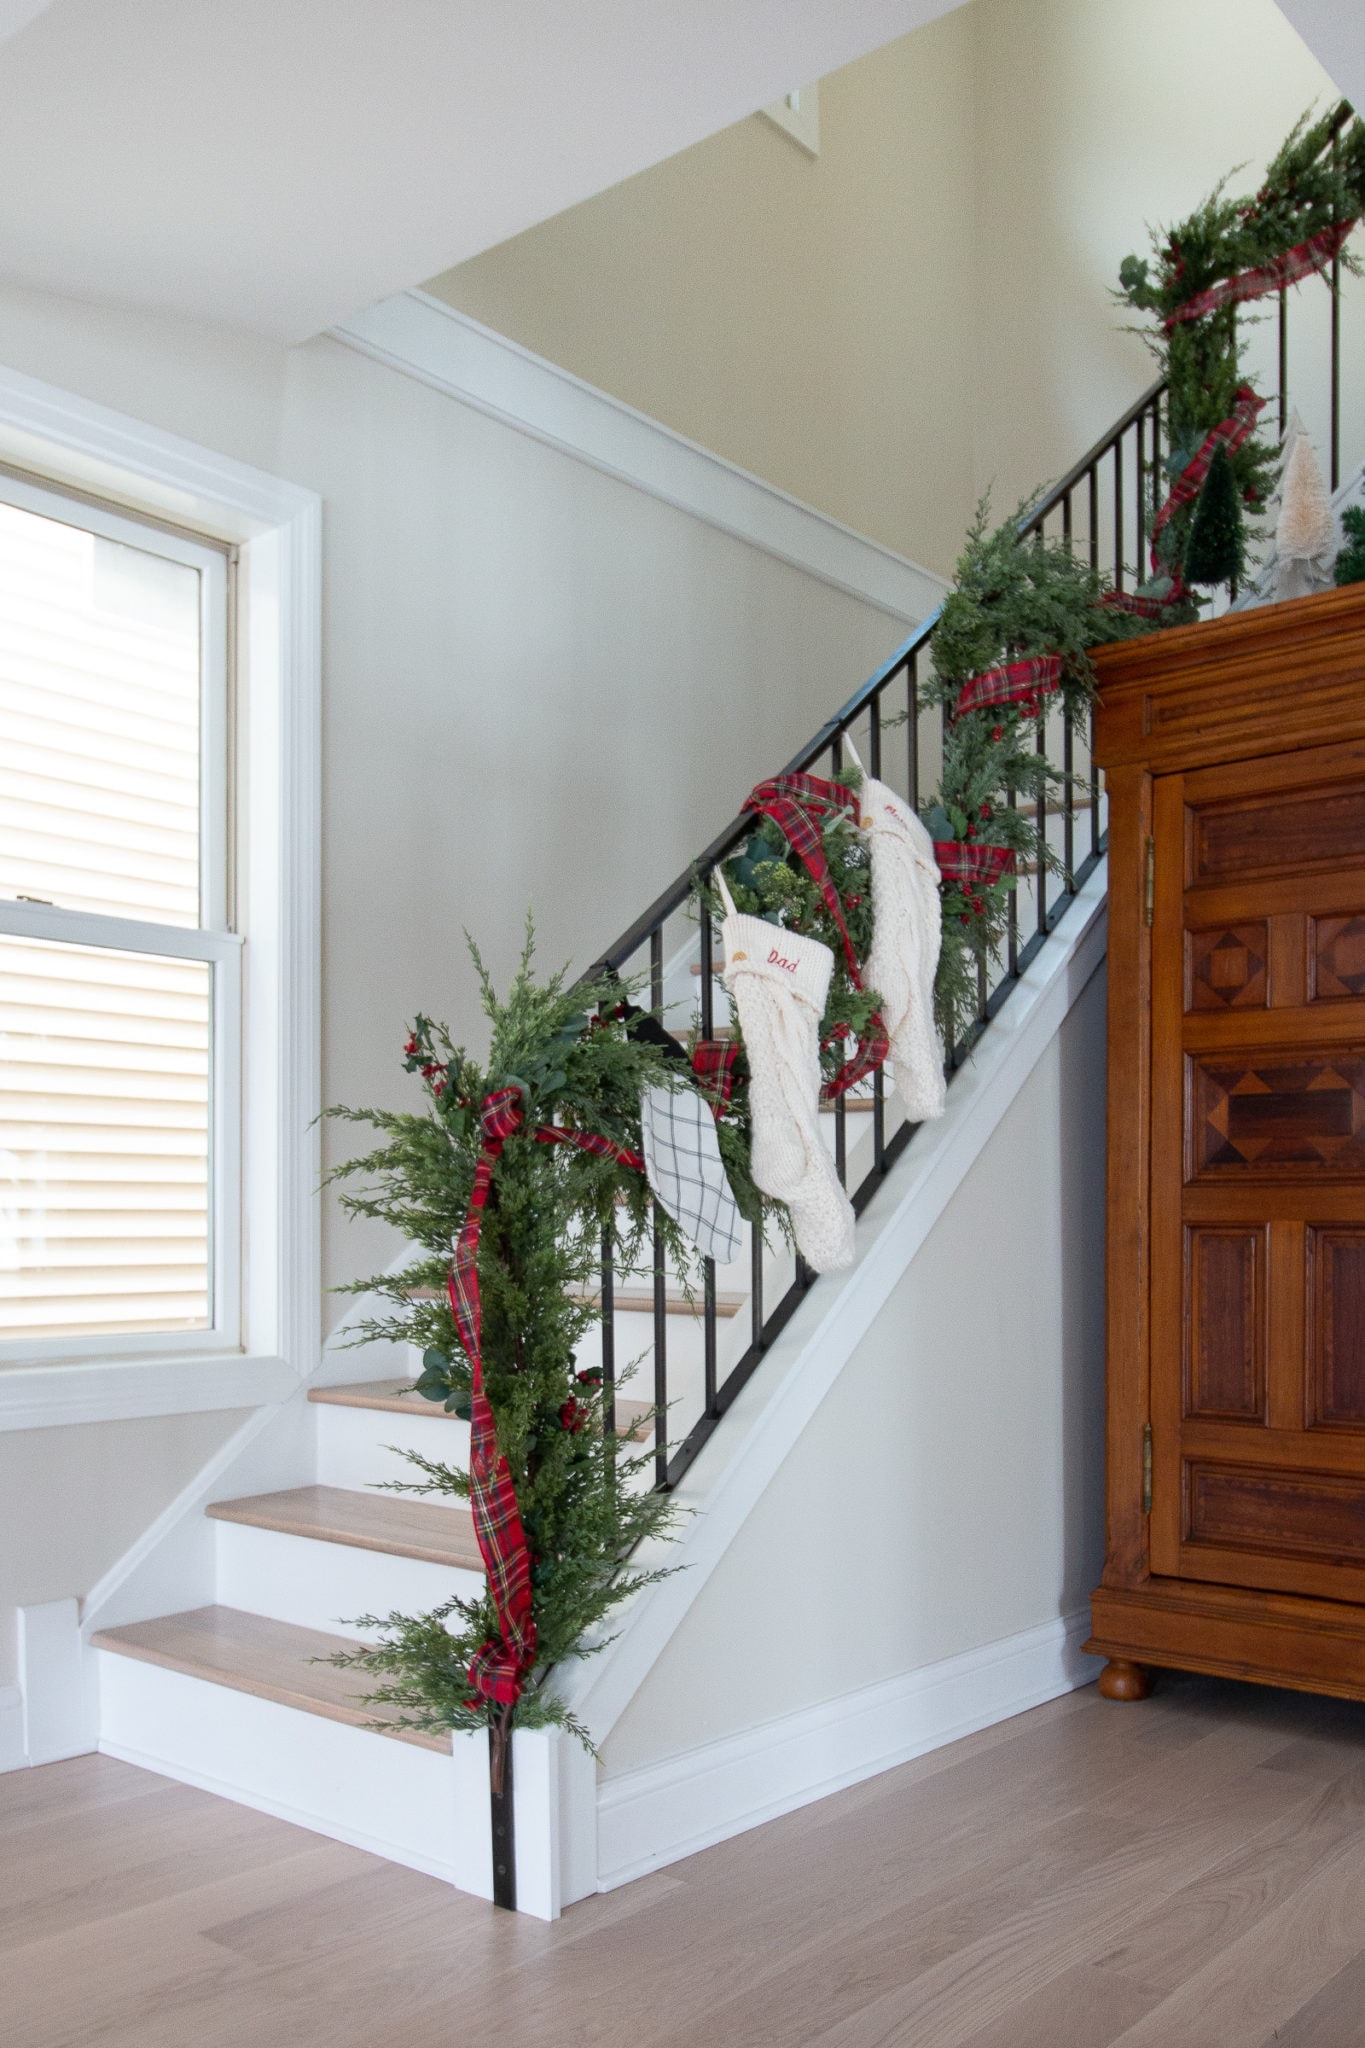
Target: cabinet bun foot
pixel 1121 1680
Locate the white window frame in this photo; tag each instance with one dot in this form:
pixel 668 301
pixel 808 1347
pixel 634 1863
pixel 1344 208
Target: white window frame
pixel 211 941
pixel 268 1133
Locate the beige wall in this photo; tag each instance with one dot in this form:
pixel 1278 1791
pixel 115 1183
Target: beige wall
pixel 924 310
pixel 1094 120
pixel 541 687
pixel 949 1491
pixel 809 319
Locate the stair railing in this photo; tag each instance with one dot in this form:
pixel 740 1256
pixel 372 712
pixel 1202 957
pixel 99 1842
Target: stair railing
pixel 1103 507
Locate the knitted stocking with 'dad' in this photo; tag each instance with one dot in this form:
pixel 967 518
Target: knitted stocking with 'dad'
pixel 906 933
pixel 778 981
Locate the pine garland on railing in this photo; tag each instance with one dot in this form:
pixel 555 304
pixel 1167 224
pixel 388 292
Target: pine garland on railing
pixel 1228 252
pixel 562 1080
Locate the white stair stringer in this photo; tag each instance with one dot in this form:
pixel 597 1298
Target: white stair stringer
pixel 721 1489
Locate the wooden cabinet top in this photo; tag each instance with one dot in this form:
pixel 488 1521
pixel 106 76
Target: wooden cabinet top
pixel 1284 675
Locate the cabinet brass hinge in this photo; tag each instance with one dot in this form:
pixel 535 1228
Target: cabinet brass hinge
pixel 1147 1469
pixel 1149 884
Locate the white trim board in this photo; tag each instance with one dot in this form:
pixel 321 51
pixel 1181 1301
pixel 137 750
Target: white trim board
pixel 424 338
pixel 720 1491
pixel 665 1811
pixel 277 527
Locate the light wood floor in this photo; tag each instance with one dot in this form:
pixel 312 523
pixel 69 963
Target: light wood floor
pixel 1185 1873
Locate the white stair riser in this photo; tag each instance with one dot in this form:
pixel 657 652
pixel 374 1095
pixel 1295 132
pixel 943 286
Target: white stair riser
pixel 353 1444
pixel 326 1585
pixel 413 1806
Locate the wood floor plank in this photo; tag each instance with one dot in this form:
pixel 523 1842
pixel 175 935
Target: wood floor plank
pixel 1169 1944
pixel 1071 1925
pixel 1022 1890
pixel 1261 1981
pixel 273 1660
pixel 80 1784
pixel 150 1957
pixel 1334 2017
pixel 366 1521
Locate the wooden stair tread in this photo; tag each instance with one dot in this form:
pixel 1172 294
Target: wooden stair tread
pixel 396 1397
pixel 269 1659
pixel 640 1301
pixel 367 1521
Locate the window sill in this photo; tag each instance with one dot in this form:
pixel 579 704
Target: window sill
pixel 44 1396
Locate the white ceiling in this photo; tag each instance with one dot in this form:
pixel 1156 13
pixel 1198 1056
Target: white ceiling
pixel 1334 31
pixel 275 164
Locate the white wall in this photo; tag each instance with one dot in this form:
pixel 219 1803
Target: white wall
pixel 541 687
pixel 949 1492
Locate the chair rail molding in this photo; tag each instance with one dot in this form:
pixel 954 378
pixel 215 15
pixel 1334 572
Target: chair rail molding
pixel 67 441
pixel 422 337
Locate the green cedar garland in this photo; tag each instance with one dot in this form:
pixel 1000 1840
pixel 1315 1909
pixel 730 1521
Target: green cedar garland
pixel 1350 563
pixel 582 1506
pixel 1315 180
pixel 1014 596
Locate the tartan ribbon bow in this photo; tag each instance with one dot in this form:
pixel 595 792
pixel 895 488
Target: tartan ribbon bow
pixel 798 805
pixel 1230 434
pixel 965 861
pixel 1026 683
pixel 499 1667
pixel 1305 259
pixel 713 1063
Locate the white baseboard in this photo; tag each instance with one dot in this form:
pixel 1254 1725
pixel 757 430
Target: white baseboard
pixel 665 1811
pixel 12 1753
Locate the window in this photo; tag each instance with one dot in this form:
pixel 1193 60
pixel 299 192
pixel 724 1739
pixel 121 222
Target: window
pixel 120 975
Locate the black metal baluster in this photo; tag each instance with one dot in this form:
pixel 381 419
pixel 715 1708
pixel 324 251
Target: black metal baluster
pixel 912 728
pixel 656 996
pixel 708 1268
pixel 1336 338
pixel 1093 479
pixel 756 1336
pixel 1040 748
pixel 502 1807
pixel 874 737
pixel 1118 513
pixel 1141 425
pixel 1069 802
pixel 1283 366
pixel 608 1327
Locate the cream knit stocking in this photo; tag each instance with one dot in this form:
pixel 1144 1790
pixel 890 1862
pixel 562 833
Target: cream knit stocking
pixel 778 981
pixel 907 930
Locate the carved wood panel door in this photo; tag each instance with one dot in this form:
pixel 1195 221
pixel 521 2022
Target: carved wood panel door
pixel 1258 1174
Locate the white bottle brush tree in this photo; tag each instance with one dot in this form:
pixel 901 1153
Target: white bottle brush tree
pixel 1305 540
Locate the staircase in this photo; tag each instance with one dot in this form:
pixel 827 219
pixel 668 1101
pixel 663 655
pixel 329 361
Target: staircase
pixel 211 1641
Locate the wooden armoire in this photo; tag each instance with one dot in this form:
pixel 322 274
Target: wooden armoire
pixel 1234 757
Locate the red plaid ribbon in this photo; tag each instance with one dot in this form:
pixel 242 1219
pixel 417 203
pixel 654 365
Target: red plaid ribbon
pixel 965 861
pixel 797 804
pixel 1016 682
pixel 1304 260
pixel 1230 434
pixel 500 1666
pixel 713 1063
